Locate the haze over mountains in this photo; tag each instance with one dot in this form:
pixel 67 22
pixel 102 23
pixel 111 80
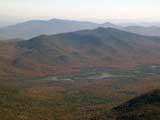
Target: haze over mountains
pixel 150 30
pixel 80 60
pixel 34 28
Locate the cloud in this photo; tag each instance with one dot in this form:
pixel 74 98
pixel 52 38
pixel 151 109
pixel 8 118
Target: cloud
pixel 100 9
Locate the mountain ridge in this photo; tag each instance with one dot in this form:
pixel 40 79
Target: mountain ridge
pixel 144 107
pixel 33 28
pixel 86 48
pixel 66 53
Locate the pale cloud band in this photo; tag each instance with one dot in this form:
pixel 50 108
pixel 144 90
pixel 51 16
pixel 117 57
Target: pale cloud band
pixel 81 9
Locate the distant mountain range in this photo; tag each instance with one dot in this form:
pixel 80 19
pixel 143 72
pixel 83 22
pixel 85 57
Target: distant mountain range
pixel 150 31
pixel 68 52
pixel 35 28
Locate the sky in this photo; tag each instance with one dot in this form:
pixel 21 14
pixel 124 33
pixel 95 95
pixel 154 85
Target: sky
pixel 93 10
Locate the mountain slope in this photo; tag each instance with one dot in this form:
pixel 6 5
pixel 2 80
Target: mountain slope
pixel 68 52
pixel 144 107
pixel 99 47
pixel 150 31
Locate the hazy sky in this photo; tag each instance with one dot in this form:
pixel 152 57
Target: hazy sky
pixel 12 10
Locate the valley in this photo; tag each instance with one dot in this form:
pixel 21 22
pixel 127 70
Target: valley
pixel 83 96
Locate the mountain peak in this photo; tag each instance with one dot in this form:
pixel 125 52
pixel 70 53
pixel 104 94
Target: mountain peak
pixel 108 29
pixel 54 19
pixel 108 23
